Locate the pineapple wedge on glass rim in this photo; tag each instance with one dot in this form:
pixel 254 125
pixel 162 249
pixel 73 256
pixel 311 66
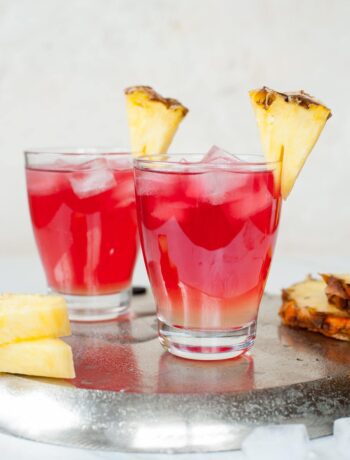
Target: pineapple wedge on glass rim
pixel 289 124
pixel 153 120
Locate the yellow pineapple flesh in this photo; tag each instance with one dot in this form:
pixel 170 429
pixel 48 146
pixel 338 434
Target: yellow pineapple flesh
pixel 152 119
pixel 310 294
pixel 289 125
pixel 41 358
pixel 24 316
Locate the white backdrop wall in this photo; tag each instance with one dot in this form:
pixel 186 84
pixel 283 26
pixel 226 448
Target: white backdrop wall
pixel 64 64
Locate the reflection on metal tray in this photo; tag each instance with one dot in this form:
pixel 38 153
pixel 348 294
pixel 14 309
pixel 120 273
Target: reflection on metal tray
pixel 131 396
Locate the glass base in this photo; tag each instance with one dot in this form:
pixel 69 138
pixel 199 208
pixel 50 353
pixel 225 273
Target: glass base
pixel 97 307
pixel 207 345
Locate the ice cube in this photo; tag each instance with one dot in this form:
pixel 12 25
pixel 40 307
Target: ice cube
pixel 156 183
pixel 217 155
pixel 95 163
pixel 93 178
pixel 75 163
pixel 124 193
pixel 218 186
pixel 44 183
pixel 120 163
pixel 341 433
pixel 277 442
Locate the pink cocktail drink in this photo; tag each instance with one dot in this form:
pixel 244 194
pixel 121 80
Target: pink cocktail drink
pixel 207 234
pixel 84 220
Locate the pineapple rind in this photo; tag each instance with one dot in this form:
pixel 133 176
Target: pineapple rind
pixel 32 316
pixel 338 290
pixel 41 357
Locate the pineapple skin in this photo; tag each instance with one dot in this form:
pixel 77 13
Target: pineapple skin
pixel 40 358
pixel 152 119
pixel 338 290
pixel 32 316
pixel 290 125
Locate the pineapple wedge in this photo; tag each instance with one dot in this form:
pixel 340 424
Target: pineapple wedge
pixel 152 119
pixel 41 358
pixel 32 317
pixel 305 305
pixel 289 125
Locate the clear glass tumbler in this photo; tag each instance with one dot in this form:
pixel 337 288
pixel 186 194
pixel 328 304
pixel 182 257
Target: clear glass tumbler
pixel 207 232
pixel 82 205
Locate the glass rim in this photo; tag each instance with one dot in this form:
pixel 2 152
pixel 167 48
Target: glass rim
pixel 79 151
pixel 177 160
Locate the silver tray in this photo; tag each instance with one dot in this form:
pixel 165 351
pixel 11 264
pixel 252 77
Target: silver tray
pixel 131 396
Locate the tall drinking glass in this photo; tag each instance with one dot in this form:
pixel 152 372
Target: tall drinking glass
pixel 82 205
pixel 207 233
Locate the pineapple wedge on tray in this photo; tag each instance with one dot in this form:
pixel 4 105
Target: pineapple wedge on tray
pixel 289 124
pixel 153 120
pixel 29 329
pixel 25 316
pixel 41 357
pixel 305 305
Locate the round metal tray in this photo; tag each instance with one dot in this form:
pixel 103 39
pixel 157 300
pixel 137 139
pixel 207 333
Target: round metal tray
pixel 131 396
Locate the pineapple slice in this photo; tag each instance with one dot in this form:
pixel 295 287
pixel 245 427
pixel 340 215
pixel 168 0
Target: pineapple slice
pixel 152 119
pixel 305 305
pixel 289 124
pixel 32 317
pixel 42 358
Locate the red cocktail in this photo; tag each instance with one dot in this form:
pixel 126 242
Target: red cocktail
pixel 207 232
pixel 84 219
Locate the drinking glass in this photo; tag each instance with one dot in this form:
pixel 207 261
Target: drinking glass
pixel 207 233
pixel 82 206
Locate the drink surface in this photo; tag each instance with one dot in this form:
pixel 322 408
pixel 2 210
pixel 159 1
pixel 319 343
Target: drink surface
pixel 85 226
pixel 207 239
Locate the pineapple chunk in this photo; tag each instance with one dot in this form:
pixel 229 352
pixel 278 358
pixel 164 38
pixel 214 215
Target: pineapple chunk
pixel 32 317
pixel 42 358
pixel 289 124
pixel 152 119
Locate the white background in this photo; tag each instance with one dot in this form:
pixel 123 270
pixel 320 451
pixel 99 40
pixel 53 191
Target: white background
pixel 64 65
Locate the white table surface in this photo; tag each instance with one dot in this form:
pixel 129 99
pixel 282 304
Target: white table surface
pixel 24 274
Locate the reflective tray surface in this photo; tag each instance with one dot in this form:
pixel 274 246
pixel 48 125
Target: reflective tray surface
pixel 131 396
